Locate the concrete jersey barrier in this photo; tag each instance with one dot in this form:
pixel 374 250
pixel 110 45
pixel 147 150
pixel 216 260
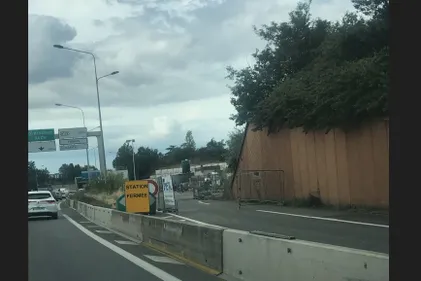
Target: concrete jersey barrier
pixel 103 216
pixel 198 244
pixel 241 255
pixel 99 215
pixel 249 257
pixel 128 224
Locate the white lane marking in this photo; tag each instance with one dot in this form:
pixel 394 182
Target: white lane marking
pixel 115 231
pixel 124 242
pixel 325 219
pixel 93 226
pixel 103 231
pixel 132 258
pixel 167 217
pixel 196 221
pixel 162 259
pixel 84 222
pixel 201 202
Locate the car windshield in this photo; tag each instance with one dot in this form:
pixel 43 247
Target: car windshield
pixel 34 196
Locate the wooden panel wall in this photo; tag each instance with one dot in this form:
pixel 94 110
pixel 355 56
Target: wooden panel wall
pixel 349 168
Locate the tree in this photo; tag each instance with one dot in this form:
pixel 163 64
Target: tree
pixel 124 159
pixel 188 148
pixel 32 180
pixel 69 172
pixel 234 142
pixel 37 177
pixel 43 176
pixel 213 151
pixel 147 161
pixel 316 74
pixel 189 141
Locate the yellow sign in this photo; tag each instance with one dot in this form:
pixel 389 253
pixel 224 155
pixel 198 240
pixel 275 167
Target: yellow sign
pixel 137 196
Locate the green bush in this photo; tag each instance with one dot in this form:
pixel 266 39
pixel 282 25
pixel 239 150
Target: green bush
pixel 112 183
pixel 81 196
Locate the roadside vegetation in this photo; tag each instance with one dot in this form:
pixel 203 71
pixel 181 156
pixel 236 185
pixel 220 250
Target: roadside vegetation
pixel 83 196
pixel 316 74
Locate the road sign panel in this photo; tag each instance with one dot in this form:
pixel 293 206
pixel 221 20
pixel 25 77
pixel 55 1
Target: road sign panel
pixel 169 197
pixel 41 135
pixel 73 141
pixel 73 147
pixel 41 146
pixel 73 133
pixel 137 196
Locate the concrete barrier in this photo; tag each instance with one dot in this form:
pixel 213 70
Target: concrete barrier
pixel 102 216
pixel 99 215
pixel 241 255
pixel 197 244
pixel 251 257
pixel 129 224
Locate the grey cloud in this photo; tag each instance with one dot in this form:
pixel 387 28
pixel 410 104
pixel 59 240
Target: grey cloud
pixel 188 65
pixel 98 22
pixel 44 62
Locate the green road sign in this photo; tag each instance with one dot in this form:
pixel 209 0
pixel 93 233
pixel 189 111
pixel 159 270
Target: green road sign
pixel 41 135
pixel 121 203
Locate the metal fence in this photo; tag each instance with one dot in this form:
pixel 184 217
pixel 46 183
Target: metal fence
pixel 214 190
pixel 260 185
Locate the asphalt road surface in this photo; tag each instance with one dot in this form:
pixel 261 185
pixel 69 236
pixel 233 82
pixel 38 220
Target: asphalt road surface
pixel 71 248
pixel 340 228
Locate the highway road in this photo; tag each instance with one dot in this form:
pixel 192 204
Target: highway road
pixel 340 228
pixel 72 248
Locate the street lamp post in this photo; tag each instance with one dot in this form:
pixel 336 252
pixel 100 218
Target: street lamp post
pixel 101 151
pixel 84 125
pixel 134 163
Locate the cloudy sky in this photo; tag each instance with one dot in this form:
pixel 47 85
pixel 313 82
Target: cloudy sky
pixel 171 55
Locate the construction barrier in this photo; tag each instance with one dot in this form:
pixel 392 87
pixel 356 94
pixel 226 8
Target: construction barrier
pixel 198 244
pixel 128 224
pixel 102 216
pixel 241 255
pixel 255 257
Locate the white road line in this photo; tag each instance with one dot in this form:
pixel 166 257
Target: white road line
pixel 201 202
pixel 326 219
pixel 93 226
pixel 125 242
pixel 162 259
pixel 115 231
pixel 196 221
pixel 167 217
pixel 132 258
pixel 103 231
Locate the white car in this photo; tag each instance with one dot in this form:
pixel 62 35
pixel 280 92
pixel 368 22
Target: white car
pixel 42 204
pixel 64 192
